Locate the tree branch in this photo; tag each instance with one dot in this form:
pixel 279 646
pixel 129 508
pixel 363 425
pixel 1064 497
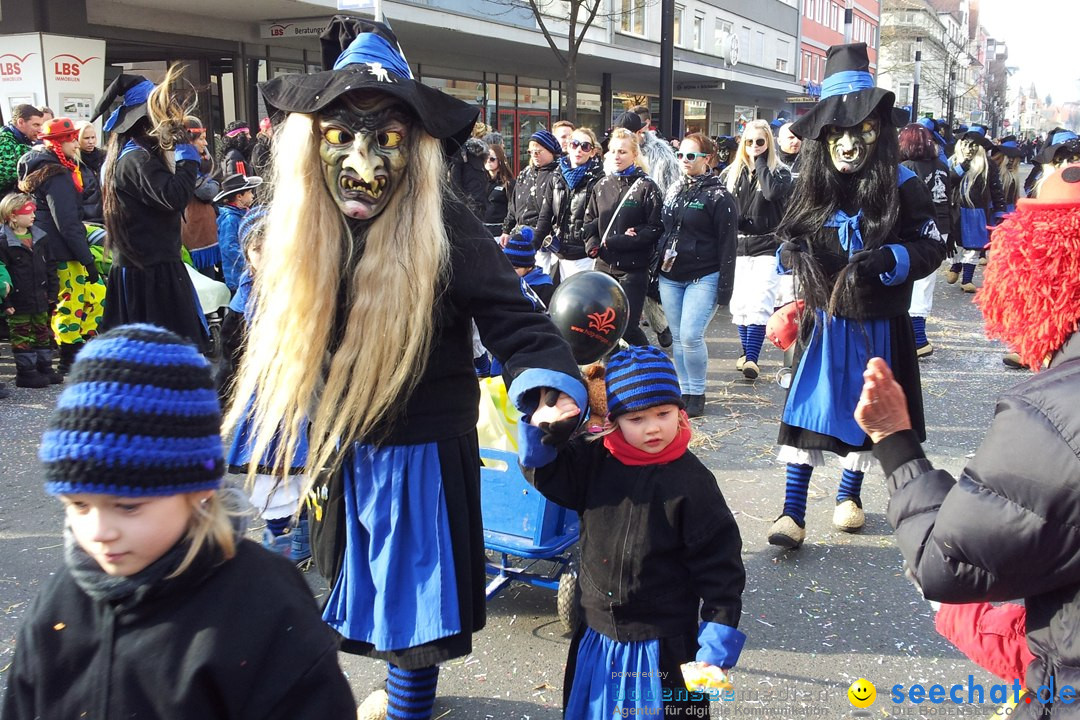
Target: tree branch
pixel 547 35
pixel 584 28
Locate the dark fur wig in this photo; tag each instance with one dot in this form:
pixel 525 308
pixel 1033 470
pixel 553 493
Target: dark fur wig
pixel 820 191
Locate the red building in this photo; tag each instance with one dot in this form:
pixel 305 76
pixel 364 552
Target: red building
pixel 823 24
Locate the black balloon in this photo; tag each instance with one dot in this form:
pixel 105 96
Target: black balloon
pixel 591 311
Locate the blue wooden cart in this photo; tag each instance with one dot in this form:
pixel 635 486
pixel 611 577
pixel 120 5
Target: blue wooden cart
pixel 532 538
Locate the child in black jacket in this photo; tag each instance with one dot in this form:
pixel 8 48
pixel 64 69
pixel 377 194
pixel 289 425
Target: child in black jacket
pixel 162 609
pixel 27 307
pixel 657 543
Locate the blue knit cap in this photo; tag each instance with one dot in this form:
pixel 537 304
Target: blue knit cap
pixel 548 140
pixel 139 416
pixel 519 249
pixel 639 378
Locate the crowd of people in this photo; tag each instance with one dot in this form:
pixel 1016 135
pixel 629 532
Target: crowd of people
pixel 352 418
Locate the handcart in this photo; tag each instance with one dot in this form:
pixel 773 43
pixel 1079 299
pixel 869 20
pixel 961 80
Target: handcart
pixel 532 538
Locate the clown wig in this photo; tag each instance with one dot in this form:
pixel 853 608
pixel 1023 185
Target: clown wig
pixel 358 304
pixel 1031 293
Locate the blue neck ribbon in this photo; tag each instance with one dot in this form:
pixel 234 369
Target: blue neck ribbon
pixel 847 228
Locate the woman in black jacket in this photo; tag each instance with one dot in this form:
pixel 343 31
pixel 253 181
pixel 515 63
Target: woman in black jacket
pixel 697 262
pixel 530 203
pixel 144 199
pixel 499 188
pixel 761 185
pixel 579 172
pixel 1007 527
pixel 919 154
pixel 622 224
pixel 51 174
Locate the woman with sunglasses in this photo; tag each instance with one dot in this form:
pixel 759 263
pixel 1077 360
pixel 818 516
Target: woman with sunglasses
pixel 622 224
pixel 697 263
pixel 499 188
pixel 580 171
pixel 761 185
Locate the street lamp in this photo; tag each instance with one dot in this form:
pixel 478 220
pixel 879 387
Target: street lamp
pixel 915 84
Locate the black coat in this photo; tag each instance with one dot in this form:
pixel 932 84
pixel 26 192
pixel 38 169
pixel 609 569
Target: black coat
pixel 497 201
pixel 985 194
pixel 34 285
pixel 1007 528
pixel 242 639
pixel 940 182
pixel 59 213
pixel 468 176
pixel 700 222
pixel 150 199
pixel 530 202
pixel 915 230
pixel 640 211
pixel 761 199
pixel 92 210
pixel 657 541
pixel 568 211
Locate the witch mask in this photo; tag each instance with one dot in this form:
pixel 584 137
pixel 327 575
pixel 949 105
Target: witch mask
pixel 851 147
pixel 364 151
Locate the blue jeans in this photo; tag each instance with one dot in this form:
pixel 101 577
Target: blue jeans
pixel 689 306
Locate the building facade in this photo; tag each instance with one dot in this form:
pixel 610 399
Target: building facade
pixel 823 24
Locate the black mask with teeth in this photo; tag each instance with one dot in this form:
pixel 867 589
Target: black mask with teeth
pixel 364 151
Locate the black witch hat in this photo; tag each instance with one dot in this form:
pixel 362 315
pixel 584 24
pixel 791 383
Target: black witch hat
pixel 361 54
pixel 1008 147
pixel 1055 140
pixel 848 95
pixel 977 133
pixel 134 90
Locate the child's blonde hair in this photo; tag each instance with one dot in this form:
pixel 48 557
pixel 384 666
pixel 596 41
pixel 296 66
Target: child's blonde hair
pixel 210 528
pixel 10 204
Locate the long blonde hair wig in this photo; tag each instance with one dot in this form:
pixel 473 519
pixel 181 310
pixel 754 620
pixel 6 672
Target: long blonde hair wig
pixel 349 375
pixel 976 170
pixel 742 158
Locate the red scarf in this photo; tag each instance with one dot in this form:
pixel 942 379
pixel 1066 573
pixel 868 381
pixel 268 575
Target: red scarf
pixel 627 454
pixel 76 174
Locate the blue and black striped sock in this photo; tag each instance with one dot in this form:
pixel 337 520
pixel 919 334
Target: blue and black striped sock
pixel 850 486
pixel 955 267
pixel 918 325
pixel 742 337
pixel 798 483
pixel 755 336
pixel 411 692
pixel 277 526
pixel 969 273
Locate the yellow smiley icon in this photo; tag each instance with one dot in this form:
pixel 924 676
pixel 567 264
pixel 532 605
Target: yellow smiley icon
pixel 862 693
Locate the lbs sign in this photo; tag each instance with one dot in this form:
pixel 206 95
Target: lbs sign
pixel 11 66
pixel 67 67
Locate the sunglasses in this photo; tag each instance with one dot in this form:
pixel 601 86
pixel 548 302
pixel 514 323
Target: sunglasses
pixel 689 156
pixel 582 144
pixel 759 142
pixel 492 158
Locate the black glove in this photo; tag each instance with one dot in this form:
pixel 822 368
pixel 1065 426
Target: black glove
pixel 872 263
pixel 556 433
pixel 92 275
pixel 788 250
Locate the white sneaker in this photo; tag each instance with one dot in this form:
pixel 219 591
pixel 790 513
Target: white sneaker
pixel 848 516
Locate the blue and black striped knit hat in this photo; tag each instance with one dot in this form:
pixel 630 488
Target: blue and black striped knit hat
pixel 139 416
pixel 639 378
pixel 519 249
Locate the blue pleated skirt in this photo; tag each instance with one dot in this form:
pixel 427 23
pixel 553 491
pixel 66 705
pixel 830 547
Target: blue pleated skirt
pixel 397 588
pixel 611 676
